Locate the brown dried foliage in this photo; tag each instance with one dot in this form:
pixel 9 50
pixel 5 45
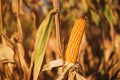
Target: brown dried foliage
pixel 99 53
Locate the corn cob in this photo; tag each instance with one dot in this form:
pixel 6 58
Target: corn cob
pixel 75 40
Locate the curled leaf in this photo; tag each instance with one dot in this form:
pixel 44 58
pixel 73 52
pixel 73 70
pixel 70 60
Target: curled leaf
pixel 52 64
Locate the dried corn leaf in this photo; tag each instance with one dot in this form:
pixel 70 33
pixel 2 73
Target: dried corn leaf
pixel 117 45
pixel 21 69
pixel 17 7
pixel 6 53
pixel 52 64
pixel 23 63
pixel 42 37
pixel 7 41
pixel 114 73
pixel 79 77
pixel 6 59
pixel 5 73
pixel 71 75
pixel 108 49
pixel 66 70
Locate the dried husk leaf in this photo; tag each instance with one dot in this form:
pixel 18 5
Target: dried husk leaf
pixel 52 64
pixel 23 63
pixel 79 77
pixel 66 70
pixel 6 53
pixel 6 62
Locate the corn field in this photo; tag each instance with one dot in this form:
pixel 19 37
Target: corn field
pixel 59 40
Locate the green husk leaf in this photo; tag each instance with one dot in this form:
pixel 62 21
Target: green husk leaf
pixel 42 37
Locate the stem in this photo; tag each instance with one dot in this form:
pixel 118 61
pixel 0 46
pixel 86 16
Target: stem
pixel 57 23
pixel 0 16
pixel 5 37
pixel 19 29
pixel 112 33
pixel 1 23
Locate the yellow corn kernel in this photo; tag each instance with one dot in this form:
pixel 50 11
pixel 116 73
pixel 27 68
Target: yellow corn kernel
pixel 75 40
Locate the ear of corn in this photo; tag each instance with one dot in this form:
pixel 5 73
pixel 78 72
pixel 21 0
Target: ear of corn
pixel 75 40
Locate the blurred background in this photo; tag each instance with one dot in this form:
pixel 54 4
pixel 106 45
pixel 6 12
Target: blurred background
pixel 99 54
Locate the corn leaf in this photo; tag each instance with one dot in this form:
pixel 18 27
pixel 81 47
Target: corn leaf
pixel 41 42
pixel 80 77
pixel 66 70
pixel 52 64
pixel 95 17
pixel 6 53
pixel 15 6
pixel 84 4
pixel 108 14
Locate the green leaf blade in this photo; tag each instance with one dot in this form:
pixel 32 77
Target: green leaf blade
pixel 95 17
pixel 108 14
pixel 42 37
